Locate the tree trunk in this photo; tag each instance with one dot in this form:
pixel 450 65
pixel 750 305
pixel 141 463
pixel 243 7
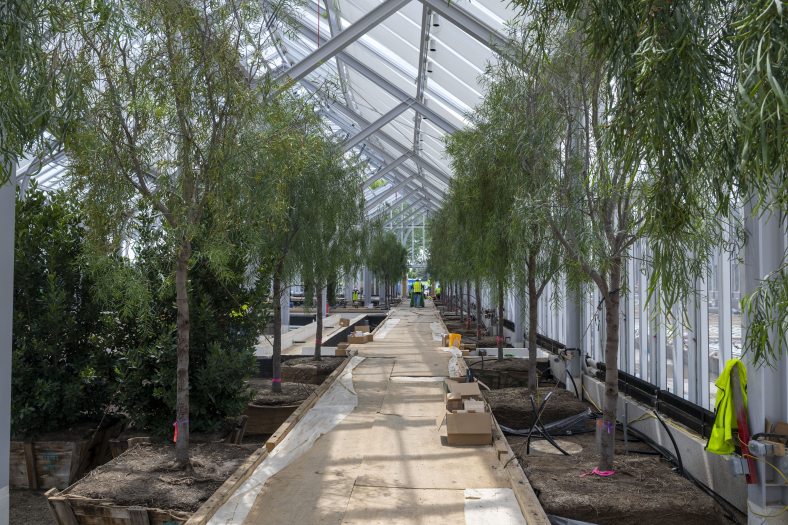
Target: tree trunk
pixel 319 321
pixel 610 404
pixel 462 305
pixel 276 356
pixel 499 339
pixel 182 401
pixel 478 314
pixel 468 295
pixel 533 302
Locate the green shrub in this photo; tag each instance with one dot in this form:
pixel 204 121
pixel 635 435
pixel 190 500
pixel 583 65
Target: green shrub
pixel 62 356
pixel 227 317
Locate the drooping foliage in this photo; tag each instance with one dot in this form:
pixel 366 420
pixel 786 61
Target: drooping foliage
pixel 387 257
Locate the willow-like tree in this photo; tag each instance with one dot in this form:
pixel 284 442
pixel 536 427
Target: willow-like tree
pixel 334 216
pixel 287 174
pixel 483 191
pixel 387 258
pixel 167 98
pixel 519 112
pixel 630 156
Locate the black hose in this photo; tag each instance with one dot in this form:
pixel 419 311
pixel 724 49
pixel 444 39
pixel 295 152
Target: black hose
pixel 730 511
pixel 672 440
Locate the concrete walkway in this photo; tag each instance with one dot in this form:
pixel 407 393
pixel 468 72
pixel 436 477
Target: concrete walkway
pixel 388 462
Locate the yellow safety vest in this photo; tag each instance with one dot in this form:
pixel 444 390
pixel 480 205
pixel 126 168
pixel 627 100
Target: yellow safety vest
pixel 417 287
pixel 721 440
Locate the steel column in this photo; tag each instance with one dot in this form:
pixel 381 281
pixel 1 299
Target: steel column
pixel 7 214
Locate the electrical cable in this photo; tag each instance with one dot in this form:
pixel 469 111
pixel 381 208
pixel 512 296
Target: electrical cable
pixel 672 440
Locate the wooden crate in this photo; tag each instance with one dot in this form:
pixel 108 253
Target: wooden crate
pixel 57 464
pixel 266 419
pixel 75 510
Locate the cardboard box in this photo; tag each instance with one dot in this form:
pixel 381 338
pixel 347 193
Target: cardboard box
pixel 463 428
pixel 466 390
pixel 361 328
pixel 453 402
pixel 341 349
pixel 473 405
pixel 344 321
pixel 356 339
pixel 445 340
pixel 370 338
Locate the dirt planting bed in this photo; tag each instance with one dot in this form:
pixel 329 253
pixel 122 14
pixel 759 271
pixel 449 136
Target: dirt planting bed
pixel 307 370
pixel 506 373
pixel 142 476
pixel 291 394
pixel 512 406
pixel 645 490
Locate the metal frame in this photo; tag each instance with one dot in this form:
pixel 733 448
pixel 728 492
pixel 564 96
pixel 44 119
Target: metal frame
pixel 339 42
pixel 375 126
pixel 378 79
pixel 470 24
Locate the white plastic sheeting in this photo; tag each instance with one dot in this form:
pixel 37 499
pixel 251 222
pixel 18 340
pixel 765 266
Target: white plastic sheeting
pixel 437 331
pixel 492 507
pixel 338 401
pixel 454 362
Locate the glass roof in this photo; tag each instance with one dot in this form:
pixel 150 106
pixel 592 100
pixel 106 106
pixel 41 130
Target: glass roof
pixel 438 82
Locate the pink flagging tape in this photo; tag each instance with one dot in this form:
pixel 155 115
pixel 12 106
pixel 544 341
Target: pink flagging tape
pixel 597 472
pixel 276 380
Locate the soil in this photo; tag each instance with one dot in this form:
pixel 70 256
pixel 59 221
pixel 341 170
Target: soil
pixel 506 373
pixel 291 394
pixel 644 491
pixel 141 477
pixel 307 370
pixel 29 507
pixel 512 406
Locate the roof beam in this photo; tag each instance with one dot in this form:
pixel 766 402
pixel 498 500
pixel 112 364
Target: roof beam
pixel 381 81
pixel 421 79
pixel 382 172
pixel 339 42
pixel 470 24
pixel 388 138
pixel 379 198
pixel 352 115
pixel 404 209
pixel 336 27
pixel 379 123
